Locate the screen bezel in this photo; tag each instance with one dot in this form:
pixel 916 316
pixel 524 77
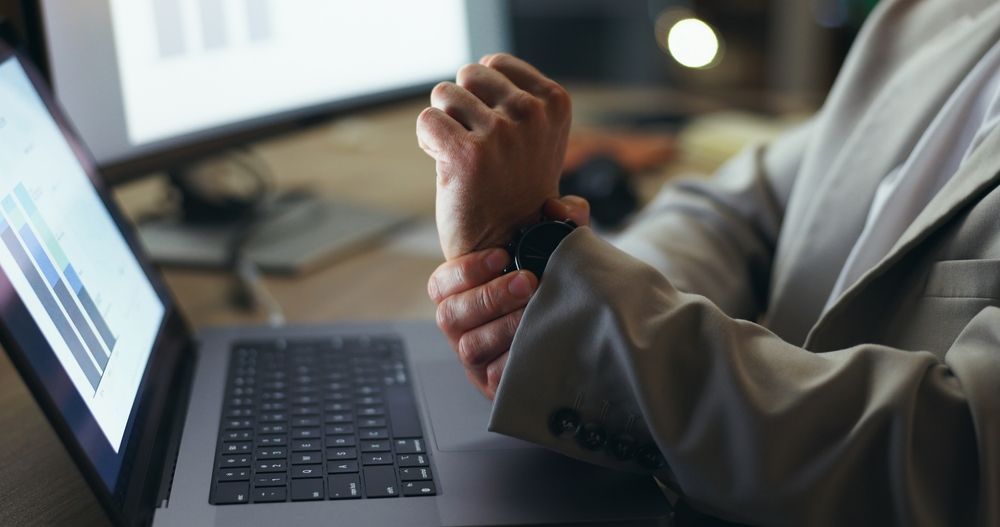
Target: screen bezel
pixel 488 32
pixel 132 498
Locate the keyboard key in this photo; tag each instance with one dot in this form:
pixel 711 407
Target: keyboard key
pixel 380 482
pixel 232 492
pixel 374 433
pixel 270 466
pixel 305 421
pixel 234 474
pixel 306 444
pixel 405 421
pixel 270 494
pixel 236 448
pixel 235 424
pixel 342 417
pixel 237 435
pixel 409 446
pixel 372 422
pixel 340 441
pixel 339 407
pixel 375 446
pixel 341 467
pixel 272 440
pixel 419 488
pixel 414 474
pixel 344 486
pixel 412 460
pixel 307 489
pixel 305 458
pixel 270 480
pixel 272 428
pixel 371 411
pixel 300 411
pixel 234 461
pixel 338 454
pixel 271 453
pixel 339 429
pixel 305 433
pixel 376 459
pixel 307 471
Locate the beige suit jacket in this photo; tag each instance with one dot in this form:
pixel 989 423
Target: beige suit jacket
pixel 711 345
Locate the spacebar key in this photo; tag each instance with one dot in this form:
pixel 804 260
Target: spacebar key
pixel 403 416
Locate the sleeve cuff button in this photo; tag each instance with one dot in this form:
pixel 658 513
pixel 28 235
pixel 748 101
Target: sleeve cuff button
pixel 564 422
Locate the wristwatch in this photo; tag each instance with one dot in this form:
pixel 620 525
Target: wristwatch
pixel 533 245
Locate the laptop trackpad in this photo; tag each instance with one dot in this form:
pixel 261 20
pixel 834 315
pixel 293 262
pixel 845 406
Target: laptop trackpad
pixel 458 412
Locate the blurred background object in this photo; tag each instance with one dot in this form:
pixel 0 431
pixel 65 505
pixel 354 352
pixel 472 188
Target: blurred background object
pixel 792 47
pixel 257 130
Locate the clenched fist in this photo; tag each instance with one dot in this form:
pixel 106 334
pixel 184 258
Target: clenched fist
pixel 498 135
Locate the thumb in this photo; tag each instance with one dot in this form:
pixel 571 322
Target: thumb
pixel 573 208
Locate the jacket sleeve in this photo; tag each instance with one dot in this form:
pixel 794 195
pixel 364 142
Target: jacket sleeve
pixel 751 428
pixel 716 237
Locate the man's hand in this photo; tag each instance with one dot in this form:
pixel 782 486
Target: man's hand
pixel 498 135
pixel 479 309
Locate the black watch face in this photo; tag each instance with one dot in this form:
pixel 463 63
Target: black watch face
pixel 537 245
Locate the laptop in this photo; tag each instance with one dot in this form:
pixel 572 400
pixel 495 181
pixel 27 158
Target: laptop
pixel 348 424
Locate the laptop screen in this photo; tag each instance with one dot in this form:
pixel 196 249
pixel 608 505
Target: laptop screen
pixel 74 297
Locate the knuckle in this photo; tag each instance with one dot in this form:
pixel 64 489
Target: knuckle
pixel 433 289
pixel 468 350
pixel 465 272
pixel 557 95
pixel 444 317
pixel 489 301
pixel 441 90
pixel 499 59
pixel 524 105
pixel 495 124
pixel 468 75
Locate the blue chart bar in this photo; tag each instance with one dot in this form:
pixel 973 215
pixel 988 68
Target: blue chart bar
pixel 62 261
pixel 48 302
pixel 90 307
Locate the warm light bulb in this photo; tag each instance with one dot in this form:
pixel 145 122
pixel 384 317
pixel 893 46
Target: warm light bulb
pixel 693 43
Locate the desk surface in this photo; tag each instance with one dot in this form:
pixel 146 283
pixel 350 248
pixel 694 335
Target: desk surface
pixel 371 158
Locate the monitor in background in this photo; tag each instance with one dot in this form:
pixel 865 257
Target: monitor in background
pixel 157 84
pixel 153 82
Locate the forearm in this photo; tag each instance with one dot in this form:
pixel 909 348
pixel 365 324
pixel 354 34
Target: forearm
pixel 753 428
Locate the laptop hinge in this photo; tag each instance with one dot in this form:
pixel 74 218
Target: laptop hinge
pixel 182 387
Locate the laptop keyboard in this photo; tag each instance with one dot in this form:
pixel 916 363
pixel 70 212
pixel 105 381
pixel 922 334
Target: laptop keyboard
pixel 319 419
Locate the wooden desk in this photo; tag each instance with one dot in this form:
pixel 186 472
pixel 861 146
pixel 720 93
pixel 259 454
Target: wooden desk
pixel 371 158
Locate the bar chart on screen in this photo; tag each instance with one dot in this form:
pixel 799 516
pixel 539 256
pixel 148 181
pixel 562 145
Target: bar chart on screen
pixel 55 281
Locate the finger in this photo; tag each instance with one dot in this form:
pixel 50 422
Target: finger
pixel 461 105
pixel 573 208
pixel 465 272
pixel 522 74
pixel 464 311
pixel 493 374
pixel 481 346
pixel 438 133
pixel 491 86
